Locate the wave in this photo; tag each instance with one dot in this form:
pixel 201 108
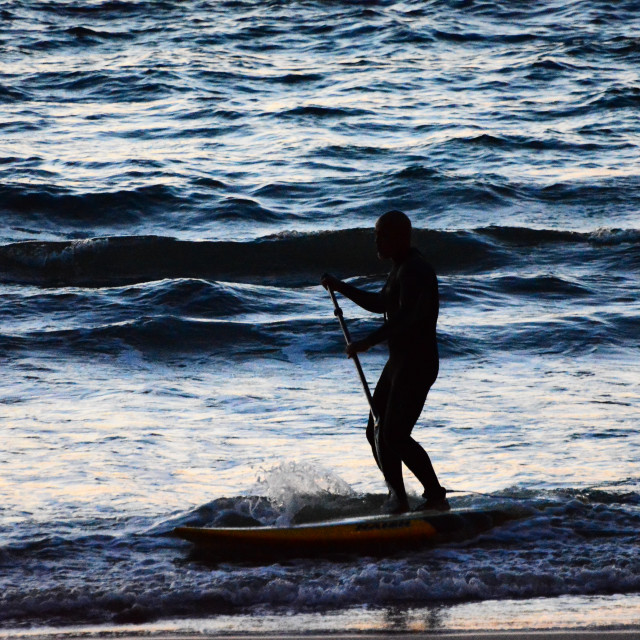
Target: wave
pixel 583 541
pixel 298 78
pixel 110 86
pixel 474 37
pixel 159 294
pixel 166 333
pixel 596 102
pixel 298 259
pixel 618 98
pixel 576 333
pixel 188 298
pixel 516 142
pixel 118 7
pixel 523 236
pixel 12 94
pixel 206 201
pixel 316 111
pixel 94 34
pixel 234 208
pixel 307 335
pixel 548 285
pixel 115 208
pixel 417 187
pixel 53 208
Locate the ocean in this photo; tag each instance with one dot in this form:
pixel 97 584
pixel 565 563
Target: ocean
pixel 175 176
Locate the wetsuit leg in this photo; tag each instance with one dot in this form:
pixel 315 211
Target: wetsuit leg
pixel 406 398
pixel 387 458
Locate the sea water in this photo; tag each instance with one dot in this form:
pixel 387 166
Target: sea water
pixel 175 176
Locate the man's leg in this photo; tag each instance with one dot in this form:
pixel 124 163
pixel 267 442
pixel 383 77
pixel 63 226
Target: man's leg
pixel 387 458
pixel 405 403
pixel 419 463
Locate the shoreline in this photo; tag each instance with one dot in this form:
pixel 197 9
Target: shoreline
pixel 520 634
pixel 614 617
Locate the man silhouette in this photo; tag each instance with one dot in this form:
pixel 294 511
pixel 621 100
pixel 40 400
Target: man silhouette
pixel 410 303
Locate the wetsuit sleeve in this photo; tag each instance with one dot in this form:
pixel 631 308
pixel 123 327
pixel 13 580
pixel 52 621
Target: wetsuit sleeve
pixel 372 301
pixel 413 306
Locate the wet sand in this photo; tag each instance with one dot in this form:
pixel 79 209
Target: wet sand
pixel 557 634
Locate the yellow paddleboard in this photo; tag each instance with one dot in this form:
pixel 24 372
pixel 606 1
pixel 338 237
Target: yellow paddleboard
pixel 369 535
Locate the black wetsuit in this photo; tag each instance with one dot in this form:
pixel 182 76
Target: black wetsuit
pixel 410 302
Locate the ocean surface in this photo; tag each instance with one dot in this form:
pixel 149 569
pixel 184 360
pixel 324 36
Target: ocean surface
pixel 175 176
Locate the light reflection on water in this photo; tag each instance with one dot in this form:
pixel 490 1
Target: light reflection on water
pixel 133 438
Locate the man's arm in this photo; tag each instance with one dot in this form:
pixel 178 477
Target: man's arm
pixel 369 300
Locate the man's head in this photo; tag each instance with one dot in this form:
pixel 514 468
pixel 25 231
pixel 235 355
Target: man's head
pixel 393 235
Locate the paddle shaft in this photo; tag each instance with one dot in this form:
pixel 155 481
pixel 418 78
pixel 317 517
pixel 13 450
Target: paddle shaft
pixel 338 314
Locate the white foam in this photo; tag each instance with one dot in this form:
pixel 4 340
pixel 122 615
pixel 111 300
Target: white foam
pixel 292 485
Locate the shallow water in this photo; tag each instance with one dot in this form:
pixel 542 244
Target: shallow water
pixel 175 176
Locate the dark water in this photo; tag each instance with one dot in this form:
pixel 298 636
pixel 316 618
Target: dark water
pixel 175 176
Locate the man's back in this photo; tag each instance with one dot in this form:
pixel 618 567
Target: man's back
pixel 411 307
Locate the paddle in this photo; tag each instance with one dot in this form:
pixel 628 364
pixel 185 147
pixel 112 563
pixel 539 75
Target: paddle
pixel 338 313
